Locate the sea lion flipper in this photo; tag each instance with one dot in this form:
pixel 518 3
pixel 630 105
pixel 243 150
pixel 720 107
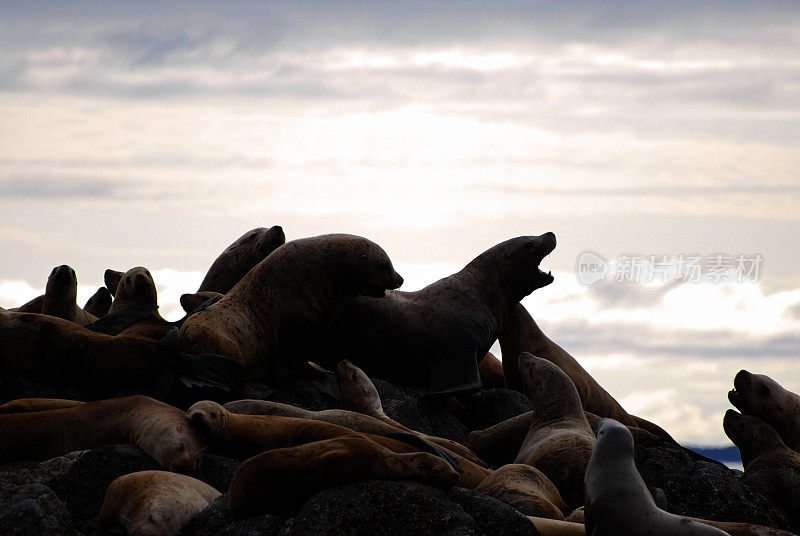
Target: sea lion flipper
pixel 209 371
pixel 426 446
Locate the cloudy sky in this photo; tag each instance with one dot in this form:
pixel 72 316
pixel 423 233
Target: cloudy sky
pixel 152 133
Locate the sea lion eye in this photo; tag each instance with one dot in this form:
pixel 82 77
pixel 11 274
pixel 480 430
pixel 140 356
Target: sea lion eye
pixel 529 244
pixel 763 390
pixel 363 256
pixel 182 446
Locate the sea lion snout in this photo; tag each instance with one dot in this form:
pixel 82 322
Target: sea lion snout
pixel 397 281
pixel 741 387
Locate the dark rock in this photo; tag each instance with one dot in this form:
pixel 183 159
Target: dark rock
pixel 83 487
pixel 702 489
pixel 401 508
pixel 488 407
pixel 494 518
pixel 410 407
pixel 35 510
pixel 216 520
pixel 217 471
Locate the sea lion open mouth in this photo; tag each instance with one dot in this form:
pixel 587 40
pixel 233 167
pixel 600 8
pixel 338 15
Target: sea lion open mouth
pixel 548 245
pixel 736 395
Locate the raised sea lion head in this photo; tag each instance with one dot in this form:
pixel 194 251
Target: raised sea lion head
pixel 135 286
pixel 356 391
pixel 519 258
pixel 757 394
pixel 111 278
pixel 614 440
pixel 62 287
pixel 208 417
pixel 750 434
pixel 100 303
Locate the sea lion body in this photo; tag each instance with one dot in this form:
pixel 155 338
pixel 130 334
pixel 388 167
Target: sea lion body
pixel 525 488
pixel 240 257
pixel 617 500
pixel 157 428
pixel 770 466
pixel 52 349
pixel 154 503
pixel 491 371
pixel 281 479
pixel 266 321
pixel 434 337
pixel 559 441
pixel 521 334
pixel 348 419
pixel 32 306
pixel 243 436
pixel 26 405
pixel 99 303
pixel 761 396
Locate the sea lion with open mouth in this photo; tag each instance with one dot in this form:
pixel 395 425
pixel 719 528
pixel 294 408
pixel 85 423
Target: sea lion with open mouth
pixel 436 336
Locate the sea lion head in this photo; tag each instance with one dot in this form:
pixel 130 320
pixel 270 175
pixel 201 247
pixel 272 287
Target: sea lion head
pixel 191 301
pixel 265 241
pixel 172 442
pixel 100 303
pixel 62 285
pixel 135 286
pixel 376 273
pixel 157 517
pixel 750 434
pixel 520 258
pixel 432 470
pixel 111 278
pixel 356 391
pixel 208 417
pixel 614 440
pixel 757 394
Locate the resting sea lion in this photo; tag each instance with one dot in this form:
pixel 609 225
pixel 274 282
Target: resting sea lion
pixel 525 488
pixel 25 405
pixel 55 350
pixel 435 337
pixel 243 436
pixel 99 304
pixel 267 320
pixel 617 499
pixel 761 396
pixel 240 257
pixel 348 419
pixel 770 466
pixel 282 479
pixel 560 440
pixel 60 294
pixel 160 430
pixel 154 503
pixel 33 306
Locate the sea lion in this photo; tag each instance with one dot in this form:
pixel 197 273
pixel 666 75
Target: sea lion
pixel 491 371
pixel 154 503
pixel 240 257
pixel 99 304
pixel 242 436
pixel 761 396
pixel 521 334
pixel 349 419
pixel 560 440
pixel 617 499
pixel 190 302
pixel 554 527
pixel 112 278
pixel 268 319
pixel 135 309
pixel 282 479
pixel 160 430
pixel 525 488
pixel 435 337
pixel 32 306
pixel 54 350
pixel 770 466
pixel 25 405
pixel 60 294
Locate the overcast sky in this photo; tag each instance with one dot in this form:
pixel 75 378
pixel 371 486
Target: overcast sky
pixel 153 133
